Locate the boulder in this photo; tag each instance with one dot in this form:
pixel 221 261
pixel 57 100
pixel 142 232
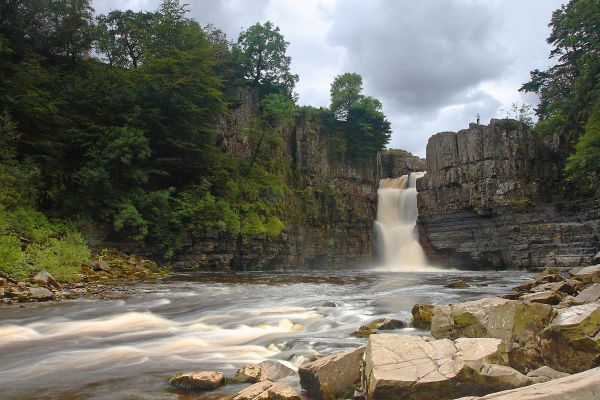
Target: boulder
pixel 589 274
pixel 589 294
pixel 582 386
pixel 266 370
pixel 421 316
pixel 332 376
pixel 546 276
pixel 267 390
pixel 571 343
pixel 40 294
pixel 382 324
pixel 569 286
pixel 596 258
pixel 203 380
pixel 458 284
pixel 546 297
pixel 518 323
pixel 45 279
pixel 545 374
pixel 413 367
pixel 101 266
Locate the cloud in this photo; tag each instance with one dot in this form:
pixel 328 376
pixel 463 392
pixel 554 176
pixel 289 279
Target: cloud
pixel 419 55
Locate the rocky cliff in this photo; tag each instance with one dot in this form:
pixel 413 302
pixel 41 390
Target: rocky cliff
pixel 331 203
pixel 494 197
pixel 395 163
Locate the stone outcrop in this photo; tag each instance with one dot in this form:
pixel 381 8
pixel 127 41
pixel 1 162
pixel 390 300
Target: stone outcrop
pixel 380 324
pixel 265 371
pixel 267 390
pixel 545 374
pixel 395 163
pixel 492 198
pixel 413 367
pixel 421 316
pixel 332 377
pixel 518 324
pixel 582 386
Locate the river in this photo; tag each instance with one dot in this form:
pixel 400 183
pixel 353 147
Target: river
pixel 113 349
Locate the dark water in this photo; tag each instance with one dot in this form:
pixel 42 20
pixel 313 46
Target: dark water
pixel 115 349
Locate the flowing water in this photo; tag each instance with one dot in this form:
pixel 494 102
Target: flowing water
pixel 396 217
pixel 113 349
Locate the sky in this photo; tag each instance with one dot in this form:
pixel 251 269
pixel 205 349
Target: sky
pixel 434 64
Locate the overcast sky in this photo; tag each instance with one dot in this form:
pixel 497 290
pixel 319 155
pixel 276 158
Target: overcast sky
pixel 433 63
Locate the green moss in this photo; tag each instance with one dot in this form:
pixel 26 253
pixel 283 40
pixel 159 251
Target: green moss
pixel 522 204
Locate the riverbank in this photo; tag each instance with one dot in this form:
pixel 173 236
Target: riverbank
pixel 110 274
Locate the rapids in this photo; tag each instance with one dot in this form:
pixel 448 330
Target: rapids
pixel 113 349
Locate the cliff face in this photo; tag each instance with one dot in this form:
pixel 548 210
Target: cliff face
pixel 493 198
pixel 332 204
pixel 395 163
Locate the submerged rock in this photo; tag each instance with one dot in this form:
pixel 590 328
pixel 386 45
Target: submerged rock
pixel 379 324
pixel 267 390
pixel 332 376
pixel 458 284
pixel 421 316
pixel 267 370
pixel 582 386
pixel 412 367
pixel 203 380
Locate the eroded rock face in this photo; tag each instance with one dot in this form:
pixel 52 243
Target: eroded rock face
pixel 267 370
pixel 332 376
pixel 492 199
pixel 582 386
pixel 412 367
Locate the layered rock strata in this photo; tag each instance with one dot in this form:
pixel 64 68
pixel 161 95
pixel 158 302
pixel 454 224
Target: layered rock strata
pixel 494 197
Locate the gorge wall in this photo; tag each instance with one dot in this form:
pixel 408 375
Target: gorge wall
pixel 494 197
pixel 330 208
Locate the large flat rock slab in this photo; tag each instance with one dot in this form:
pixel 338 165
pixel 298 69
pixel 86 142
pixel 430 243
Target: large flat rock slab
pixel 417 368
pixel 582 386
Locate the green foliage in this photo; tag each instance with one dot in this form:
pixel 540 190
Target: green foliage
pixel 62 257
pixel 520 112
pixel 522 204
pixel 346 90
pixel 508 124
pixel 583 166
pixel 261 51
pixel 11 255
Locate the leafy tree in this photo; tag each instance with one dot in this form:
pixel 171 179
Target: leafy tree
pixel 262 53
pixel 520 112
pixel 346 90
pixel 70 24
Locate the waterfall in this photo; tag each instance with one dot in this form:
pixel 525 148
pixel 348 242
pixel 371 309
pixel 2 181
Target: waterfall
pixel 396 217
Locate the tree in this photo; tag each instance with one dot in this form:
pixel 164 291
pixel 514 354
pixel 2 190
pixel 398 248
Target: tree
pixel 124 37
pixel 262 53
pixel 345 91
pixel 70 24
pixel 367 129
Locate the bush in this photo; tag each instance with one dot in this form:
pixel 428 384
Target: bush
pixel 62 257
pixel 11 256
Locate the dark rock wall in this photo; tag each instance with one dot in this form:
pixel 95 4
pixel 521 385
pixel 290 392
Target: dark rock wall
pixel 493 197
pixel 395 163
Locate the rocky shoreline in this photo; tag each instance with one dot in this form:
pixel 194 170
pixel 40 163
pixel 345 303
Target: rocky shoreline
pixel 110 275
pixel 541 341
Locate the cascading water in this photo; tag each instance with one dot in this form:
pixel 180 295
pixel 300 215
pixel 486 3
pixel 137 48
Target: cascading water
pixel 396 217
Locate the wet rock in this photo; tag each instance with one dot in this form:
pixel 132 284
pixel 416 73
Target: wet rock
pixel 582 386
pixel 547 297
pixel 268 390
pixel 588 275
pixel 332 376
pixel 571 343
pixel 40 294
pixel 548 275
pixel 413 367
pixel 266 370
pixel 518 323
pixel 421 316
pixel 154 396
pixel 589 294
pixel 45 279
pixel 381 324
pixel 545 374
pixel 458 284
pixel 203 380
